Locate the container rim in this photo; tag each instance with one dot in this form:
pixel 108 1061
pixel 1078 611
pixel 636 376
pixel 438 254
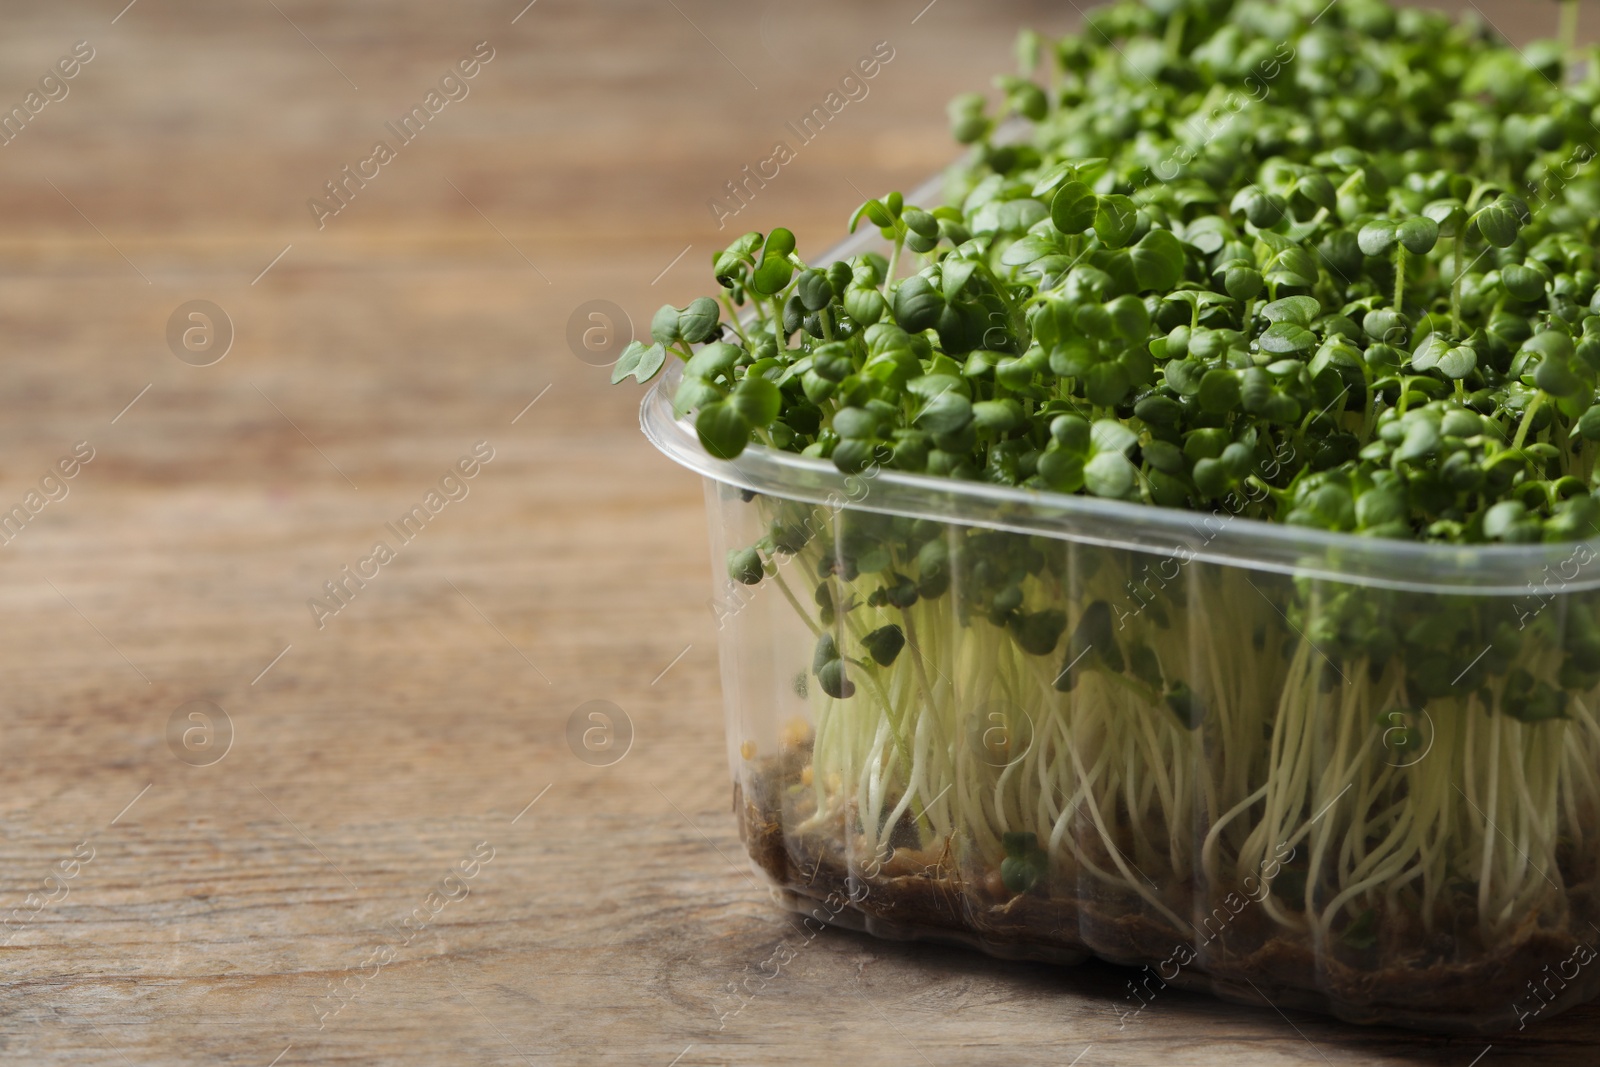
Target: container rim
pixel 1542 570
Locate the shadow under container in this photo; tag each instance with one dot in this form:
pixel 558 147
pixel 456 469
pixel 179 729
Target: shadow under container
pixel 1281 765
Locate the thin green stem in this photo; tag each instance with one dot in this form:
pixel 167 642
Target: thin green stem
pixel 758 307
pixel 1400 278
pixel 788 594
pixel 733 319
pixel 1527 419
pixel 1461 269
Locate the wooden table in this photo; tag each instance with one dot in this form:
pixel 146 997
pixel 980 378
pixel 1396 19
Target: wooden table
pixel 228 871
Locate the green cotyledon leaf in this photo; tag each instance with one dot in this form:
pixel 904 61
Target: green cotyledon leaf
pixel 723 429
pixel 1269 308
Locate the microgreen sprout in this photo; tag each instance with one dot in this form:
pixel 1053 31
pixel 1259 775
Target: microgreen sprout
pixel 1367 303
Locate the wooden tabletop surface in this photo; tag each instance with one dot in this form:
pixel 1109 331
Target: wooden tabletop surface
pixel 218 805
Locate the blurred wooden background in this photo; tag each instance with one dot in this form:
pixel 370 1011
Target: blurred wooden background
pixel 366 759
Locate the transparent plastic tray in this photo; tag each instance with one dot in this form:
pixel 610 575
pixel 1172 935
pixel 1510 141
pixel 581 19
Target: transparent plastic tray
pixel 1286 766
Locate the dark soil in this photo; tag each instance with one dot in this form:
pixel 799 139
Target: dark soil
pixel 1398 976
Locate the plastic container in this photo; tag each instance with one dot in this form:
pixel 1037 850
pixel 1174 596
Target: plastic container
pixel 1281 765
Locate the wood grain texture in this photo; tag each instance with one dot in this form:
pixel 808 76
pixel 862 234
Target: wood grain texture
pixel 385 748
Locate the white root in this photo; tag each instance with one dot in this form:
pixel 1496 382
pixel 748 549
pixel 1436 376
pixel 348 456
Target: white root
pixel 1116 790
